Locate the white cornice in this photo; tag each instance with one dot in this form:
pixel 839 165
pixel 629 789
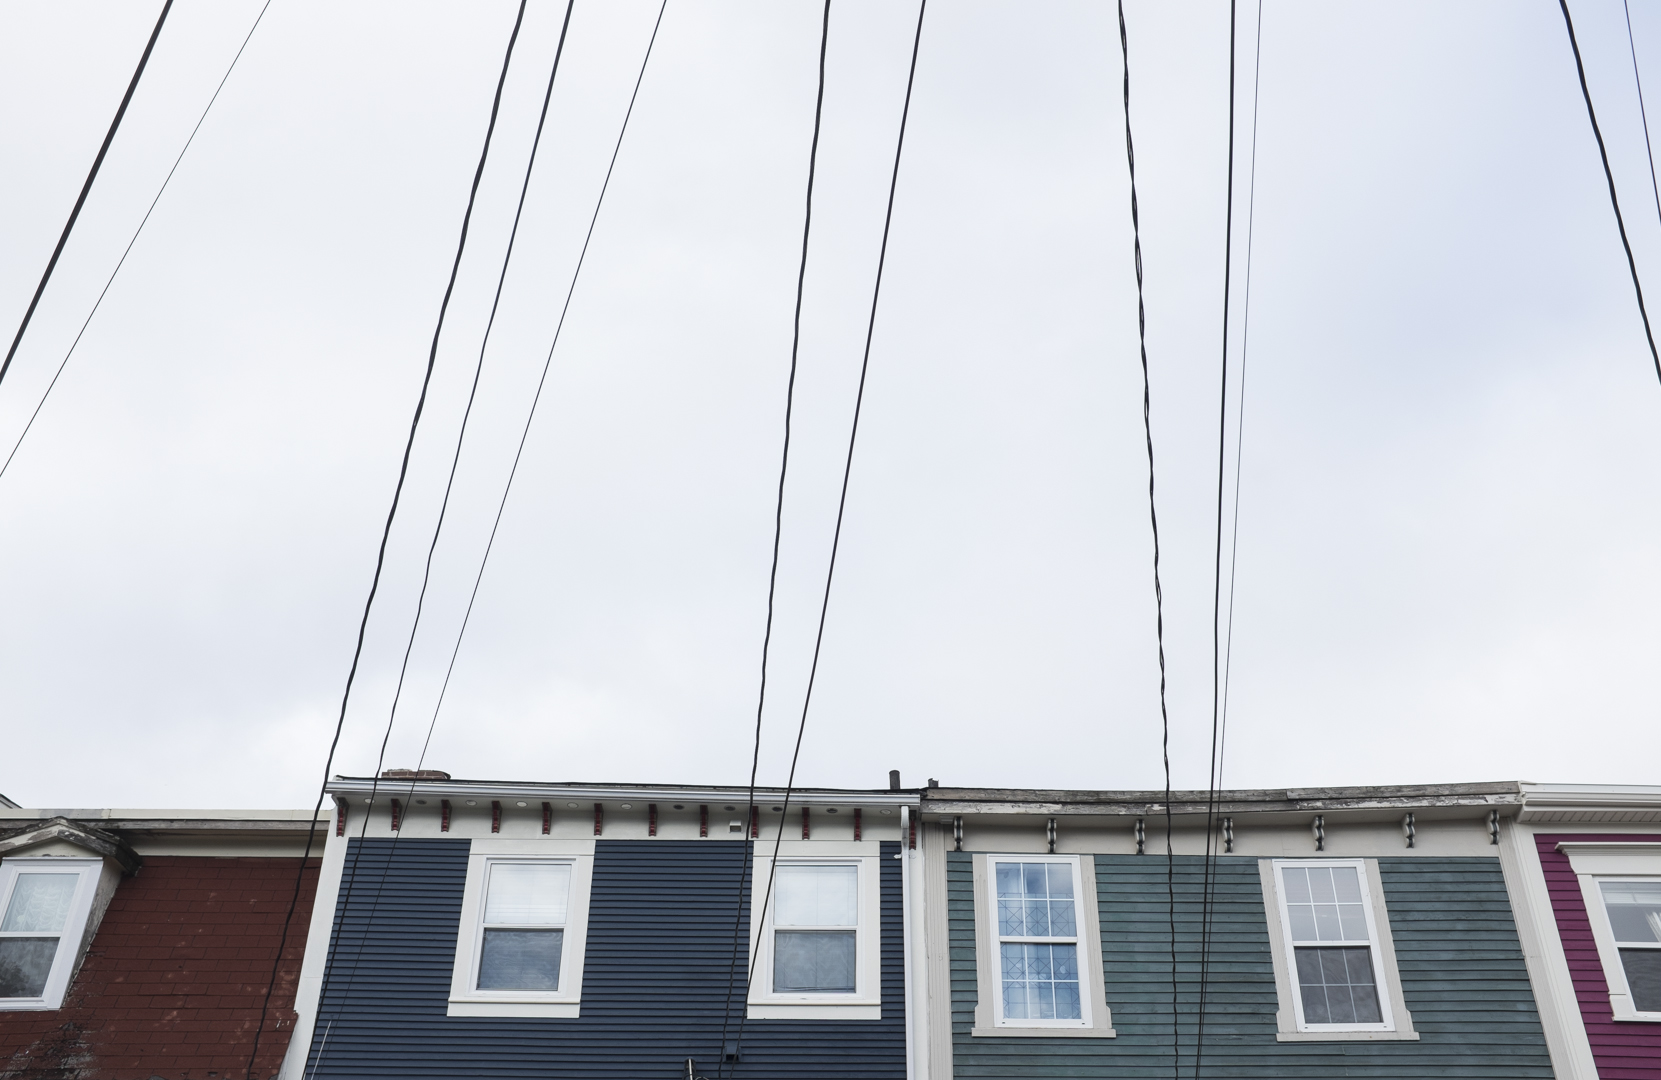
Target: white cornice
pixel 490 789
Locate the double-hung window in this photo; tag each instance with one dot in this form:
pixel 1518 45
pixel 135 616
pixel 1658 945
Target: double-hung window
pixel 519 948
pixel 1335 957
pixel 1038 948
pixel 44 904
pixel 1038 953
pixel 1633 906
pixel 816 952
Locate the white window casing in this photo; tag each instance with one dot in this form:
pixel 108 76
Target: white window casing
pixel 45 904
pixel 1625 874
pixel 822 892
pixel 1333 955
pixel 1034 943
pixel 520 893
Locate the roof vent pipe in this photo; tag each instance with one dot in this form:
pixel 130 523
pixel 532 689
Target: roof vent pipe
pixel 893 779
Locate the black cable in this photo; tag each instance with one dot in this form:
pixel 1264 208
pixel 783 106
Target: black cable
pixel 432 547
pixel 1153 518
pixel 386 531
pixel 1632 47
pixel 1609 175
pixel 1240 399
pixel 86 188
pixel 129 248
pixel 773 571
pixel 842 501
pixel 537 398
pixel 1209 873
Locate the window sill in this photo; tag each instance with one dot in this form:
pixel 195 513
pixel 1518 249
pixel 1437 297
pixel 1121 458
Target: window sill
pixel 1044 1033
pixel 564 1009
pixel 26 1005
pixel 818 1011
pixel 1347 1036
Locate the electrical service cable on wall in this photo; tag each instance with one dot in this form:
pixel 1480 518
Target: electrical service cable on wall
pixel 1153 518
pixel 386 531
pixel 119 263
pixel 432 547
pixel 1209 874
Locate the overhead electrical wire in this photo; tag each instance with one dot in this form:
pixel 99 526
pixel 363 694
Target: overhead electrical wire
pixel 1153 518
pixel 432 546
pixel 847 473
pixel 129 248
pixel 778 532
pixel 392 514
pixel 536 399
pixel 1643 114
pixel 86 188
pixel 1609 175
pixel 1209 872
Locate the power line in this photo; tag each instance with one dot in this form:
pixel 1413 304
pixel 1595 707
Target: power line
pixel 1609 175
pixel 438 528
pixel 129 248
pixel 1153 518
pixel 1209 871
pixel 1643 114
pixel 80 201
pixel 847 472
pixel 778 531
pixel 541 382
pixel 1240 399
pixel 392 513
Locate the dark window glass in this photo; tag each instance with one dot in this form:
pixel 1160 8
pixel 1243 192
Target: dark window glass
pixel 521 959
pixel 1643 977
pixel 24 965
pixel 1338 987
pixel 813 961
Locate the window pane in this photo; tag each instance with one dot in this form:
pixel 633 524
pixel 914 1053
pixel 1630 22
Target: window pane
pixel 24 965
pixel 813 962
pixel 40 903
pixel 1320 885
pixel 521 959
pixel 1353 922
pixel 1040 982
pixel 1643 977
pixel 1297 884
pixel 1347 884
pixel 1634 909
pixel 1337 986
pixel 1036 900
pixel 816 896
pixel 527 894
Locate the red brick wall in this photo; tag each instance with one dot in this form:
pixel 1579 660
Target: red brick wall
pixel 174 980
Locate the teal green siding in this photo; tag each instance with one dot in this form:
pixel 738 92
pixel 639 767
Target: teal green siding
pixel 1461 968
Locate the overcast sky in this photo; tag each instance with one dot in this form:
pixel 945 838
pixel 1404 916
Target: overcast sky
pixel 1450 513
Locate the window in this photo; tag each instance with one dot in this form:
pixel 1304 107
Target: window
pixel 1634 909
pixel 1334 963
pixel 519 951
pixel 816 953
pixel 1620 882
pixel 1038 947
pixel 44 904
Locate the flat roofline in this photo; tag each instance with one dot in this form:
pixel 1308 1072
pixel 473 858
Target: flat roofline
pixel 392 787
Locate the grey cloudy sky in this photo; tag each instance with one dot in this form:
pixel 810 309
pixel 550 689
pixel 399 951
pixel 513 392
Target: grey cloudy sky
pixel 1449 562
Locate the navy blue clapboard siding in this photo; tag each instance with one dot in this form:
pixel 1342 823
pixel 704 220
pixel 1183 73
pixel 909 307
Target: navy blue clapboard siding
pixel 660 934
pixel 1461 967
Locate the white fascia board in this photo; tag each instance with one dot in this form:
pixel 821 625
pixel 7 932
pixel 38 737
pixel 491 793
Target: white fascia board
pixel 398 787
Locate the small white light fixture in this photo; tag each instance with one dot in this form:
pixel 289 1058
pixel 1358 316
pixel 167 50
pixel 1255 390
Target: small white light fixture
pixel 521 802
pixel 628 806
pixel 475 802
pixel 888 811
pixel 571 805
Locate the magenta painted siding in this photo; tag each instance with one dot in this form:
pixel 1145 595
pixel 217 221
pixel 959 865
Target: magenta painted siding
pixel 1623 1050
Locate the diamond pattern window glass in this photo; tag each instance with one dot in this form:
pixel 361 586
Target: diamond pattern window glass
pixel 1038 947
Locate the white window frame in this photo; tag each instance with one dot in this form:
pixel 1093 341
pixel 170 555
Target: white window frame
pixel 1397 1022
pixel 74 926
pixel 1594 863
pixel 1096 1020
pixel 465 998
pixel 865 1003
